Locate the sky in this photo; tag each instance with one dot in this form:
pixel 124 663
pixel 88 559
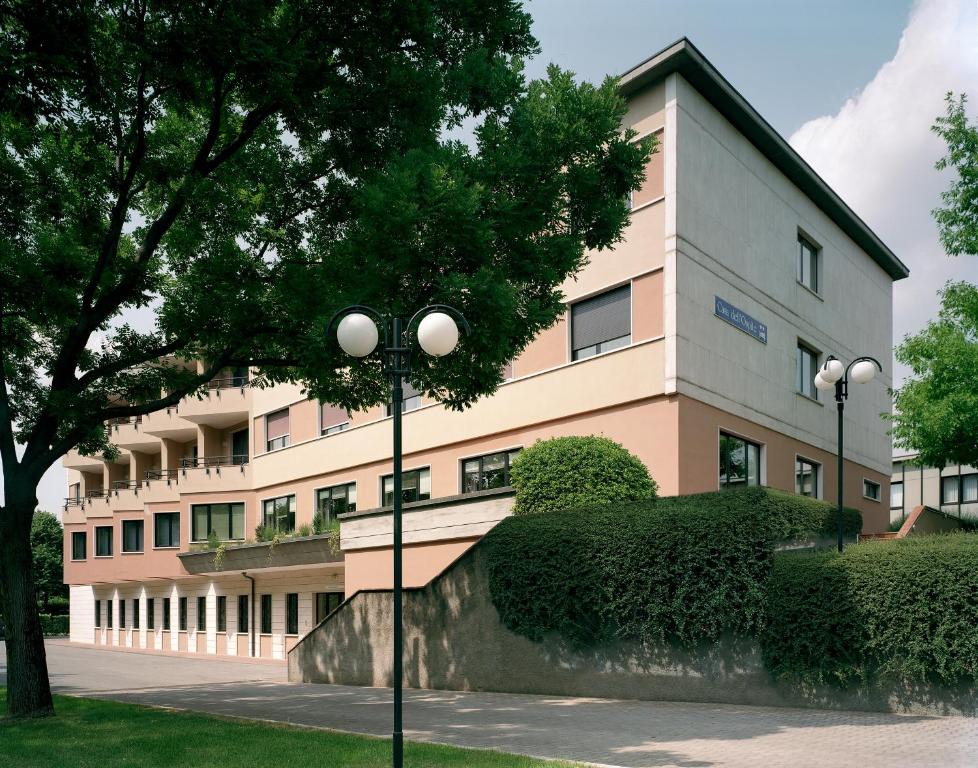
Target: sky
pixel 854 86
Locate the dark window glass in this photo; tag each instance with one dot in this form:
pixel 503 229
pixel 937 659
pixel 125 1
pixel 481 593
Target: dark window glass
pixel 166 529
pixel 132 535
pixel 326 603
pixel 415 486
pixel 266 614
pixel 279 514
pixel 806 366
pixel 108 614
pixel 489 471
pixel 182 620
pixel 226 521
pixel 222 613
pixel 242 614
pixel 122 614
pixel 292 614
pixel 103 541
pixel 601 323
pixel 806 477
pixel 740 462
pixel 871 490
pixel 150 613
pixel 807 264
pixel 135 613
pixel 201 614
pixel 336 500
pixel 166 614
pixel 98 613
pixel 79 545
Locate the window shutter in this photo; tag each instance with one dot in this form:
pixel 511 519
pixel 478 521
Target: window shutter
pixel 602 318
pixel 332 415
pixel 409 390
pixel 277 424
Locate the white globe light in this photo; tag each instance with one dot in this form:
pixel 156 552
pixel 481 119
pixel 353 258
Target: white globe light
pixel 864 371
pixel 357 335
pixel 437 334
pixel 832 371
pixel 822 384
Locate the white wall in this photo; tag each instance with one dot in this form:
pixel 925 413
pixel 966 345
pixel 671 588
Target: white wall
pixel 81 614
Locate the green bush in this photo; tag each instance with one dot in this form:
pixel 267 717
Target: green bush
pixel 686 569
pixel 54 625
pixel 571 472
pixel 901 610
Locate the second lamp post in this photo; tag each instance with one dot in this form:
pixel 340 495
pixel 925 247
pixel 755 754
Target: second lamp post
pixel 436 328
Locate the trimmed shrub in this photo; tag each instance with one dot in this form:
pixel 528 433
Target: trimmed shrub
pixel 54 626
pixel 686 569
pixel 573 472
pixel 900 610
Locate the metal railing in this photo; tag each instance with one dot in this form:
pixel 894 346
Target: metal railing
pixel 118 420
pixel 161 474
pixel 228 382
pixel 122 485
pixel 205 462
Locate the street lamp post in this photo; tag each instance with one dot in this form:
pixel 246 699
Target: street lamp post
pixel 436 328
pixel 833 374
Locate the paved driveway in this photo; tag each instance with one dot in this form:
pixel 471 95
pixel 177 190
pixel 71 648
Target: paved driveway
pixel 621 733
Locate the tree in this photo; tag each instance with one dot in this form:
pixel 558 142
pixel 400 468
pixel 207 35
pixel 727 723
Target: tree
pixel 236 171
pixel 47 548
pixel 958 220
pixel 572 472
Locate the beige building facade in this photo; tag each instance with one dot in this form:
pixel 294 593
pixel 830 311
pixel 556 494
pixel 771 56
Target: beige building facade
pixel 693 344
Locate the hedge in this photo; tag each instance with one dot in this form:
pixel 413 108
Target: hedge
pixel 903 610
pixel 686 569
pixel 54 625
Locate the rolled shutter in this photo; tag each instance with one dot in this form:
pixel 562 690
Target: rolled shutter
pixel 277 424
pixel 602 318
pixel 332 415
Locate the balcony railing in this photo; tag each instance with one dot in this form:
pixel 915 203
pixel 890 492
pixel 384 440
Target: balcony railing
pixel 124 485
pixel 229 382
pixel 115 422
pixel 206 462
pixel 161 474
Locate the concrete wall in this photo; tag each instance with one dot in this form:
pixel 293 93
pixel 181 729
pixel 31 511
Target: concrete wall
pixel 455 641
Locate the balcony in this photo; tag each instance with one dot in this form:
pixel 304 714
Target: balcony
pixel 74 460
pixel 307 550
pixel 215 473
pixel 224 403
pixel 168 424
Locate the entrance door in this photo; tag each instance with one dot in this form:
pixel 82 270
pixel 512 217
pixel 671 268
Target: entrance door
pixel 239 447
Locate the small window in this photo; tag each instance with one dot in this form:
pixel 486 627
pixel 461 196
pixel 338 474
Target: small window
pixel 242 614
pixel 489 471
pixel 132 535
pixel 332 419
pixel 808 264
pixel 326 603
pixel 108 613
pixel 103 541
pixel 950 490
pixel 79 545
pixel 98 613
pixel 336 500
pixel 151 613
pixel 410 399
pixel 166 529
pixel 292 613
pixel 602 323
pixel 806 477
pixel 896 495
pixel 166 614
pixel 740 462
pixel 201 614
pixel 182 619
pixel 277 430
pixel 871 489
pixel 969 488
pixel 806 368
pixel 222 613
pixel 74 492
pixel 122 614
pixel 279 514
pixel 266 614
pixel 415 486
pixel 135 613
pixel 226 521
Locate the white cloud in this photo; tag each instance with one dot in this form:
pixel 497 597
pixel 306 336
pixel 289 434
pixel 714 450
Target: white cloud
pixel 878 150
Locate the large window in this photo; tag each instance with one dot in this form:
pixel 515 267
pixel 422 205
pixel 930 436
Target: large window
pixel 132 535
pixel 182 619
pixel 202 614
pixel 277 430
pixel 806 477
pixel 242 614
pixel 871 489
pixel 601 323
pixel 415 486
pixel 222 613
pixel 806 367
pixel 740 462
pixel 410 399
pixel 332 419
pixel 151 613
pixel 336 500
pixel 166 614
pixel 292 613
pixel 226 521
pixel 166 529
pixel 808 272
pixel 326 603
pixel 79 545
pixel 955 489
pixel 279 514
pixel 103 541
pixel 489 471
pixel 896 495
pixel 266 614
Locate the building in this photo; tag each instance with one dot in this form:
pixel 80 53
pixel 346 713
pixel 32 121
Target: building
pixel 694 344
pixel 953 490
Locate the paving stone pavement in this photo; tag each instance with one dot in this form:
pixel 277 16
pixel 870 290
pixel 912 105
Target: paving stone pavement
pixel 620 733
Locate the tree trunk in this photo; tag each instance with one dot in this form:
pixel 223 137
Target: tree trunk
pixel 28 687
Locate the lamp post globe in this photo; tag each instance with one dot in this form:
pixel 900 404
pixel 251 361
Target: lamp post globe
pixel 822 383
pixel 357 334
pixel 863 372
pixel 437 334
pixel 833 370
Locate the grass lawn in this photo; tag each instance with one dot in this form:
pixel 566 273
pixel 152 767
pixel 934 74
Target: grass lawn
pixel 100 734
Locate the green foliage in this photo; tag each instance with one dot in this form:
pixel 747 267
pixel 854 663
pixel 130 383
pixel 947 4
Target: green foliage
pixel 264 533
pixel 685 569
pixel 47 548
pixel 304 530
pixel 958 220
pixel 58 605
pixel 54 626
pixel 567 472
pixel 882 611
pixel 213 540
pixel 319 522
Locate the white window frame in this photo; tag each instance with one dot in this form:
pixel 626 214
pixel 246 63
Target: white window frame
pixel 762 458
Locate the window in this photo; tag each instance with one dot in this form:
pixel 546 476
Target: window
pixel 740 462
pixel 292 614
pixel 956 489
pixel 182 606
pixel 602 323
pixel 806 368
pixel 332 419
pixel 122 614
pixel 808 264
pixel 896 495
pixel 166 529
pixel 103 541
pixel 222 613
pixel 266 614
pixel 108 614
pixel 74 492
pixel 489 471
pixel 871 490
pixel 336 500
pixel 243 614
pixel 132 535
pixel 806 477
pixel 98 613
pixel 415 486
pixel 135 613
pixel 201 614
pixel 969 488
pixel 151 613
pixel 79 545
pixel 279 514
pixel 277 430
pixel 410 399
pixel 949 490
pixel 226 521
pixel 166 614
pixel 326 603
